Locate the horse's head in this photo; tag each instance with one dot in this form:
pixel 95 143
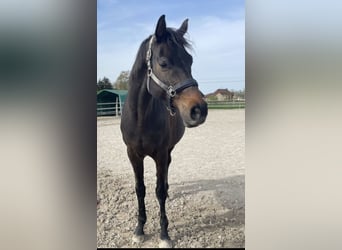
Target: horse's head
pixel 169 74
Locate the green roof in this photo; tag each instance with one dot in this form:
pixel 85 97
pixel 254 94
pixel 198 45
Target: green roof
pixel 121 93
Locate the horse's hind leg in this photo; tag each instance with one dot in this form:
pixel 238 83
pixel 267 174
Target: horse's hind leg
pixel 162 162
pixel 138 167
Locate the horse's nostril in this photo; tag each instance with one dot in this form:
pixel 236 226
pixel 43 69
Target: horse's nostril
pixel 195 113
pixel 199 112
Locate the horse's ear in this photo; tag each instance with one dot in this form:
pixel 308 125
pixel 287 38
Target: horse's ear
pixel 161 28
pixel 183 28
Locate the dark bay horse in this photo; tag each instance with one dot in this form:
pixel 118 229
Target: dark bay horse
pixel 162 99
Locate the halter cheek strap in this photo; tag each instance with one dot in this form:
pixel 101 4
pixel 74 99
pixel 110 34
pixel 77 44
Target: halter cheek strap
pixel 170 90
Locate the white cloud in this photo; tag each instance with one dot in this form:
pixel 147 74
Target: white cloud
pixel 219 52
pixel 218 49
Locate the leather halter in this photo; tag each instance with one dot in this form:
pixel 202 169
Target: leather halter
pixel 170 90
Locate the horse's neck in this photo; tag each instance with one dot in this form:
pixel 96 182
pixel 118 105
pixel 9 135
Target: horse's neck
pixel 139 97
pixel 140 100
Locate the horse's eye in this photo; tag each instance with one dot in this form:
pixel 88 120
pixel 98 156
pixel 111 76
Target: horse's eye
pixel 162 62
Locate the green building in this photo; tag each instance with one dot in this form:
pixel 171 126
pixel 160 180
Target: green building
pixel 110 101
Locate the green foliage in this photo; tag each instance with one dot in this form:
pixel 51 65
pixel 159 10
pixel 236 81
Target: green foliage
pixel 104 83
pixel 122 80
pixel 226 105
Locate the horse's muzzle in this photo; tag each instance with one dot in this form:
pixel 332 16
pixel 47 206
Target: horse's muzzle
pixel 198 114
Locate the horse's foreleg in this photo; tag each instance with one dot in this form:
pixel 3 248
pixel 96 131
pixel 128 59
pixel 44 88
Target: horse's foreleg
pixel 138 167
pixel 162 162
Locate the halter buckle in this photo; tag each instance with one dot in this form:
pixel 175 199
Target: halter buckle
pixel 148 54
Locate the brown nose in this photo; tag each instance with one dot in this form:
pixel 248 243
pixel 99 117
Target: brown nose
pixel 198 113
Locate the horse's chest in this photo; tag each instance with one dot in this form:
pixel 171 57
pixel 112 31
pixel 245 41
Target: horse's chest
pixel 152 133
pixel 154 138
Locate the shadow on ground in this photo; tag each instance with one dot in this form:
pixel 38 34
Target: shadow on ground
pixel 229 192
pixel 217 206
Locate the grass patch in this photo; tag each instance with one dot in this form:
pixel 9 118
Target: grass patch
pixel 226 106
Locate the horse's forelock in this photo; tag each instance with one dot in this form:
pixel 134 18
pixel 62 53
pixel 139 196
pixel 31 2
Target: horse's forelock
pixel 178 38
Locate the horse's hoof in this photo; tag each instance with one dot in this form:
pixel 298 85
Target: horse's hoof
pixel 138 238
pixel 165 244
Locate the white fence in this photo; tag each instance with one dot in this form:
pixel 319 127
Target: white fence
pixel 115 108
pixel 109 108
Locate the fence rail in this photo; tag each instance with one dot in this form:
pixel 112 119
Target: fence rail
pixel 114 108
pixel 109 108
pixel 236 104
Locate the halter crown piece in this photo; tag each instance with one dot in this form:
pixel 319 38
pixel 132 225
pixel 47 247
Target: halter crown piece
pixel 170 90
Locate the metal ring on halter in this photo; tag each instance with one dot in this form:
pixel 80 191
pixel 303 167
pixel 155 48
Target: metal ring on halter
pixel 171 91
pixel 172 112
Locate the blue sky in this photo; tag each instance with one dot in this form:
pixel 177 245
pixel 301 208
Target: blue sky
pixel 216 31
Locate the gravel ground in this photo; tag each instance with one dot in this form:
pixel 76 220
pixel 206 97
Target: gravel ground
pixel 206 204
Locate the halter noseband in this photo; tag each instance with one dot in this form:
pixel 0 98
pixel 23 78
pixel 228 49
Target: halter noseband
pixel 170 90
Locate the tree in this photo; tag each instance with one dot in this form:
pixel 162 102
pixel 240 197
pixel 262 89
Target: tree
pixel 239 94
pixel 104 84
pixel 212 98
pixel 122 80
